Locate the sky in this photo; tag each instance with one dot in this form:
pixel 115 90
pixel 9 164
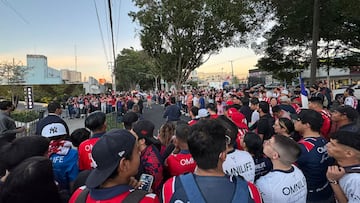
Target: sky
pixel 68 30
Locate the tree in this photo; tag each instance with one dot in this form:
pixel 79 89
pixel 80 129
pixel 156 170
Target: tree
pixel 289 41
pixel 181 35
pixel 132 68
pixel 13 75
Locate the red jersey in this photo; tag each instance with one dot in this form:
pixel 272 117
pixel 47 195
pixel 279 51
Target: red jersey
pixel 181 163
pixel 192 122
pixel 84 151
pixel 214 116
pixel 325 129
pixel 148 198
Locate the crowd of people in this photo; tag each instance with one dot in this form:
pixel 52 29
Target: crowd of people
pixel 240 145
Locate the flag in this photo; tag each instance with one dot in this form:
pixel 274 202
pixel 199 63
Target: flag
pixel 303 94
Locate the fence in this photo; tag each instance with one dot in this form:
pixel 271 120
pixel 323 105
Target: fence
pixel 31 125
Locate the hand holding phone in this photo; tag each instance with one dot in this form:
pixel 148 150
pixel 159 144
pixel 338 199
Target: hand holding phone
pixel 146 182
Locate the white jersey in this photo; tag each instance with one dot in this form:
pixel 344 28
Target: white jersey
pixel 351 101
pixel 350 184
pixel 283 186
pixel 240 163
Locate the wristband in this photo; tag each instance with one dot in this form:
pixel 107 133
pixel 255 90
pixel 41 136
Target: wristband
pixel 335 182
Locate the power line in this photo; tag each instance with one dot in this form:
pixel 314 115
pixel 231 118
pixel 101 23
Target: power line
pixel 113 45
pixel 233 60
pixel 102 36
pixel 6 3
pixel 118 26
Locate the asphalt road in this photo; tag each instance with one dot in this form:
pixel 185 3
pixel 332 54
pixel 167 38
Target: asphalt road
pixel 155 115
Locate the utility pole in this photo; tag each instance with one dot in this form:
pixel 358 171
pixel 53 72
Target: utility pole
pixel 315 38
pixel 232 69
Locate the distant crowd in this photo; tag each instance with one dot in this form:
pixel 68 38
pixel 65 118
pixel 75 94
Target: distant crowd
pixel 240 145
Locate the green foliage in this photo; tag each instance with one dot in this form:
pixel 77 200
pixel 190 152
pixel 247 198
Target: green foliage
pixel 134 67
pixel 25 115
pixel 287 50
pixel 179 34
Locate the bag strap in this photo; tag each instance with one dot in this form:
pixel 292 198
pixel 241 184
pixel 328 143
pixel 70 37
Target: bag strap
pixel 134 196
pixel 82 196
pixel 191 188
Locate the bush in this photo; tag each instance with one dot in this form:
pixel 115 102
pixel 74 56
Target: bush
pixel 25 116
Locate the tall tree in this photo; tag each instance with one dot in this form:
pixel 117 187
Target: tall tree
pixel 288 43
pixel 181 35
pixel 134 68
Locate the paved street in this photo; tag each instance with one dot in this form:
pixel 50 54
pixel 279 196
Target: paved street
pixel 155 115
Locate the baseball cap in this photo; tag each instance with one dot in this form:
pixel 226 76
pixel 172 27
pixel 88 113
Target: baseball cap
pixel 350 112
pixel 107 152
pixel 144 129
pixel 203 113
pixel 350 139
pixel 53 129
pixel 229 103
pixel 237 117
pixel 284 99
pixel 285 92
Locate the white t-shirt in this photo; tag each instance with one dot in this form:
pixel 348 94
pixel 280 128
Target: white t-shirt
pixel 283 186
pixel 254 117
pixel 240 163
pixel 350 184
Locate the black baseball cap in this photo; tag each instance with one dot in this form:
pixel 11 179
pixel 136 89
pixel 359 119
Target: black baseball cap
pixel 107 153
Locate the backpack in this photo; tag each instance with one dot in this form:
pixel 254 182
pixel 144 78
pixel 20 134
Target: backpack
pixel 193 192
pixel 133 197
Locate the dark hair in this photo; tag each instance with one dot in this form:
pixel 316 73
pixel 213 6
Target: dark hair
pixel 245 101
pixel 5 104
pixel 276 109
pixel 11 154
pixel 31 181
pixel 288 149
pixel 172 100
pixel 288 124
pixel 350 91
pixel 194 110
pixel 211 106
pixel 254 144
pixel 79 135
pixel 166 132
pixel 182 132
pixel 312 117
pixel 130 118
pixel 206 142
pixel 95 120
pixel 347 138
pixel 230 127
pixel 52 106
pixel 264 106
pixel 254 100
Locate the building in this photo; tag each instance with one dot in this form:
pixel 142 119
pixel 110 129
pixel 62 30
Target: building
pixel 40 73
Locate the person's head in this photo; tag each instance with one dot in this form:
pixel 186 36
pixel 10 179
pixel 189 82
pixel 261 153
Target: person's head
pixel 129 119
pixel 11 154
pixel 182 132
pixel 264 107
pixel 254 103
pixel 172 100
pixel 231 129
pixel 284 126
pixel 344 113
pixel 245 101
pixel 253 144
pixel 316 102
pixel 207 144
pixel 145 131
pixel 96 121
pixel 79 135
pixel 282 148
pixel 203 114
pixel 349 92
pixel 308 119
pixel 116 157
pixel 344 146
pixel 31 181
pixel 54 107
pixel 54 131
pixel 135 108
pixel 314 88
pixel 194 111
pixel 166 133
pixel 6 106
pixel 235 99
pixel 273 101
pixel 277 111
pixel 211 107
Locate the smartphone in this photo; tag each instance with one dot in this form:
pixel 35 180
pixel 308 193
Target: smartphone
pixel 146 182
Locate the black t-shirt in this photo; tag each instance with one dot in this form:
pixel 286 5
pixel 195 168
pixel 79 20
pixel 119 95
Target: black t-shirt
pixel 265 126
